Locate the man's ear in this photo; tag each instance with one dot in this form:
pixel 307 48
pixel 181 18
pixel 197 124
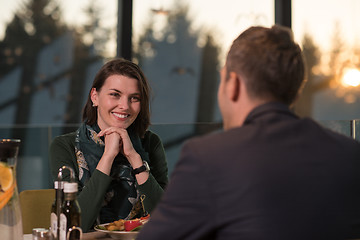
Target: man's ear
pixel 234 86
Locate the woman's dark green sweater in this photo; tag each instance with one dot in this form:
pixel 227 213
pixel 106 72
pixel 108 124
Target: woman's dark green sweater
pixel 91 195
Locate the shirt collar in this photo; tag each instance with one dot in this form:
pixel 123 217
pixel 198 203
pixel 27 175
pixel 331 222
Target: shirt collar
pixel 267 108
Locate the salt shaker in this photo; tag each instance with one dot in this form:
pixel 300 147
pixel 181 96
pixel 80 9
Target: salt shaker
pixel 40 234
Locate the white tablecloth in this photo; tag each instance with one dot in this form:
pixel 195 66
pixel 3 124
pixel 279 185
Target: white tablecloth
pixel 86 236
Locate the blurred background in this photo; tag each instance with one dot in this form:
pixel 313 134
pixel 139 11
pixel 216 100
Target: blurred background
pixel 50 51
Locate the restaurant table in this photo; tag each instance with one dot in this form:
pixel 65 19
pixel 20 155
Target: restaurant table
pixel 85 236
pixel 98 235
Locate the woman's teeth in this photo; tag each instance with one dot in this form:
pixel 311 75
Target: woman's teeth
pixel 121 115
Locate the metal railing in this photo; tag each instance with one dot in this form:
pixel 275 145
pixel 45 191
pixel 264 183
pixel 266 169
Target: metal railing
pixel 33 163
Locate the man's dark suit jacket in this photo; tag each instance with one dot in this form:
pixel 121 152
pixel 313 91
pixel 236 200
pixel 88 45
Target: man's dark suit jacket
pixel 276 177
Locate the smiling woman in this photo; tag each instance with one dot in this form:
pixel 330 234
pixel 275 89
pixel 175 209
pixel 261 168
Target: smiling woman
pixel 124 80
pixel 115 157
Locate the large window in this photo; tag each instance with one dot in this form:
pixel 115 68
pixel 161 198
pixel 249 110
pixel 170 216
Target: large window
pixel 181 46
pixel 49 54
pixel 50 51
pixel 329 34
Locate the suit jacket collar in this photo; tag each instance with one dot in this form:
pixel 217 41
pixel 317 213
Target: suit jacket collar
pixel 268 108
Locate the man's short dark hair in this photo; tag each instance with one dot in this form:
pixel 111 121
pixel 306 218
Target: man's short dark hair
pixel 270 61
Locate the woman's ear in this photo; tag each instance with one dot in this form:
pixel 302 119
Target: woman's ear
pixel 94 97
pixel 234 86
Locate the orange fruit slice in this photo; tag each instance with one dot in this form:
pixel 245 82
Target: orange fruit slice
pixel 6 196
pixel 6 177
pixel 7 184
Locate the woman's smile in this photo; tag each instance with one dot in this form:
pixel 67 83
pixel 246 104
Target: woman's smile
pixel 121 116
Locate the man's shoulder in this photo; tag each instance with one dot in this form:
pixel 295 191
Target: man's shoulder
pixel 331 134
pixel 259 135
pixel 216 141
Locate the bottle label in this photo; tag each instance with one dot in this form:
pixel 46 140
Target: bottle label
pixel 54 224
pixel 63 224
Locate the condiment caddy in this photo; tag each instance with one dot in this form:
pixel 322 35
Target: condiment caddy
pixel 65 212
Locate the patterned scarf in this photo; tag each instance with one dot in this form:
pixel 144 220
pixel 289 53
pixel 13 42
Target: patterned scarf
pixel 122 198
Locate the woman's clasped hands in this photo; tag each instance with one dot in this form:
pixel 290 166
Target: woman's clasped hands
pixel 117 141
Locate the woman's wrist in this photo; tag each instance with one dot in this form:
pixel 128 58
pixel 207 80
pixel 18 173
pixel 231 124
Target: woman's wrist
pixel 105 164
pixel 142 177
pixel 135 160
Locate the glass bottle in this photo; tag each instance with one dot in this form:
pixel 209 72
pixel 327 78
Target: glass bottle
pixel 10 213
pixel 70 217
pixel 56 209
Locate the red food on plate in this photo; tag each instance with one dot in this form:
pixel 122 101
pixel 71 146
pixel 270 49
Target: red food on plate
pixel 146 217
pixel 131 224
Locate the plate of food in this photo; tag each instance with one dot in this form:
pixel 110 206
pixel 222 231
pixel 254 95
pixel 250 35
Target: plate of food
pixel 123 229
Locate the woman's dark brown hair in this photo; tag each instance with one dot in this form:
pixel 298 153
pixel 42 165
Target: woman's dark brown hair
pixel 129 69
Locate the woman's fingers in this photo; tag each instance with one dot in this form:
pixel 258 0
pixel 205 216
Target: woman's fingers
pixel 112 130
pixel 112 144
pixel 124 144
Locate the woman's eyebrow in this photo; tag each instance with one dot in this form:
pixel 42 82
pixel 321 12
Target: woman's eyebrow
pixel 116 90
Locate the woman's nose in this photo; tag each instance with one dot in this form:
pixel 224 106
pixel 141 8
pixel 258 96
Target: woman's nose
pixel 123 103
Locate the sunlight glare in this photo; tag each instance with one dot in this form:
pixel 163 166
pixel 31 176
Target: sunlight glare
pixel 351 78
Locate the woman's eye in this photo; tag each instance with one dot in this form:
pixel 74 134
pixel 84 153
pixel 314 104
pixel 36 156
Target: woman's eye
pixel 115 94
pixel 134 99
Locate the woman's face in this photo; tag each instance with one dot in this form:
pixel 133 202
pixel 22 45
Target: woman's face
pixel 118 102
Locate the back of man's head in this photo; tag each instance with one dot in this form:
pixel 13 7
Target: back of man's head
pixel 270 62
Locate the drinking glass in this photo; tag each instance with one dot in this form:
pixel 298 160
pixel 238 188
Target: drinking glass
pixel 10 213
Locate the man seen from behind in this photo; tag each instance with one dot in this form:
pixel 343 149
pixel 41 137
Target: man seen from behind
pixel 269 174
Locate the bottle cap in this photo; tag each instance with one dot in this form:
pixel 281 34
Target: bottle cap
pixel 40 234
pixel 59 185
pixel 70 187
